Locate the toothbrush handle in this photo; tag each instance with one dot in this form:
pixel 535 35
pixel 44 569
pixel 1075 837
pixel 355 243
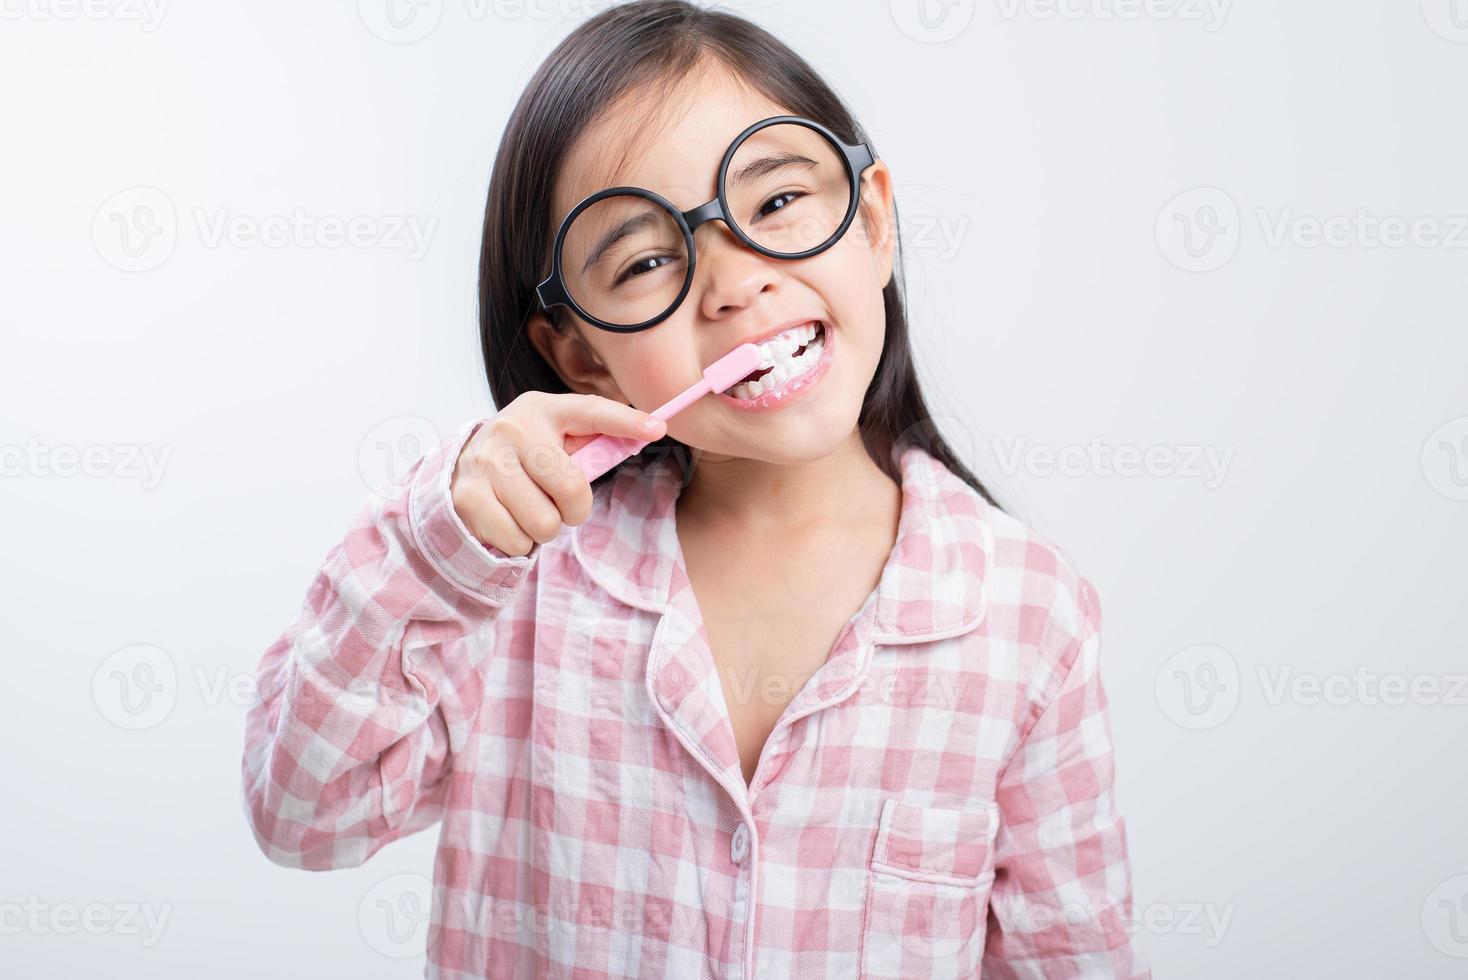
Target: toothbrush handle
pixel 604 452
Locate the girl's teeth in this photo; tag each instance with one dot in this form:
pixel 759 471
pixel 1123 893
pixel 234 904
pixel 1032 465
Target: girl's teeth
pixel 784 364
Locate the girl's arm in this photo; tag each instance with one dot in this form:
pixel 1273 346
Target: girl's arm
pixel 361 698
pixel 1062 904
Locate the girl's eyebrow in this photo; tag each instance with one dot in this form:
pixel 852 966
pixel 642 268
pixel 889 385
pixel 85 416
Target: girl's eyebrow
pixel 635 223
pixel 756 169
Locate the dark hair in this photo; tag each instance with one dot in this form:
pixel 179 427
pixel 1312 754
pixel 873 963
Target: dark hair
pixel 658 42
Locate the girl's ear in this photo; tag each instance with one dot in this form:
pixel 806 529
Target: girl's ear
pixel 876 200
pixel 572 358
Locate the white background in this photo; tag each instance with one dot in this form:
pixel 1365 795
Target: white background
pixel 1065 300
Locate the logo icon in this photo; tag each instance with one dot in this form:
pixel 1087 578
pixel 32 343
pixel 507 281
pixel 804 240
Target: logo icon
pixel 943 938
pixel 932 21
pixel 400 21
pixel 1445 459
pixel 394 915
pixel 1198 687
pixel 1445 917
pixel 924 433
pixel 1198 230
pixel 135 229
pixel 1447 18
pixel 135 687
pixel 390 450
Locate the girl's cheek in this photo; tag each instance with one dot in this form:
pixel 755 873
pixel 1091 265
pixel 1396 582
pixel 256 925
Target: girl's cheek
pixel 652 377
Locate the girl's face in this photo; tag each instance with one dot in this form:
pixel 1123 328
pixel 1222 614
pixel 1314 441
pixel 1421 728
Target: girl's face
pixel 737 294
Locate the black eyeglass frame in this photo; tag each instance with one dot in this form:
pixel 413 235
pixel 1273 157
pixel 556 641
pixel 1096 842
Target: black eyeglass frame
pixel 856 158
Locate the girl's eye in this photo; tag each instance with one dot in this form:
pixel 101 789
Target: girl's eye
pixel 779 201
pixel 643 266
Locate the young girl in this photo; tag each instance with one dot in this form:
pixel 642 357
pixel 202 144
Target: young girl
pixel 783 695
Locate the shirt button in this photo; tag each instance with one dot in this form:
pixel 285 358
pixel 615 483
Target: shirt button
pixel 739 845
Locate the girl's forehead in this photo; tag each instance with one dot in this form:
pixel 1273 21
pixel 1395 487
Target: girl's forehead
pixel 673 148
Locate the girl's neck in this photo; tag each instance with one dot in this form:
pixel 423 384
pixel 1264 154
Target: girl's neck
pixel 846 487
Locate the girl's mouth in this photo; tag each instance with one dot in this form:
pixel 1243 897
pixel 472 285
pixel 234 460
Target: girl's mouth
pixel 796 358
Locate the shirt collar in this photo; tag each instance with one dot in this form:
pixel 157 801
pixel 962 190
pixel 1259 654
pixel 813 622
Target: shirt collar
pixel 930 588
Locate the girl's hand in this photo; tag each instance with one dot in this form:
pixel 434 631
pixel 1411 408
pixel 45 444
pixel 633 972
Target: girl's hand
pixel 515 483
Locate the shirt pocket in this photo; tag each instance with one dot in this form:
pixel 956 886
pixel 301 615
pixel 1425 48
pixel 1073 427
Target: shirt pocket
pixel 928 890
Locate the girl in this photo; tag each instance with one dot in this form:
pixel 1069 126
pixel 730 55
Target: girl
pixel 784 694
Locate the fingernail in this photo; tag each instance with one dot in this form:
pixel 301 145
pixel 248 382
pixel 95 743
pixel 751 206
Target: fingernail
pixel 650 425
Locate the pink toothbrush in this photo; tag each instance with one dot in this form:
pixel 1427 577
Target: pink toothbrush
pixel 606 451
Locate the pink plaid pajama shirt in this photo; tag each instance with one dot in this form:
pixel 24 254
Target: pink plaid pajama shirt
pixel 935 801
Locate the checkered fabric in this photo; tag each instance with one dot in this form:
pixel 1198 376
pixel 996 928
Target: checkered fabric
pixel 935 801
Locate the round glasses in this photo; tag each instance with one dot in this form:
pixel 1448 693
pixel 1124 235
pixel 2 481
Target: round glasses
pixel 624 258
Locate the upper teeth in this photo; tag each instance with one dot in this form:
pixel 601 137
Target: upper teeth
pixel 778 354
pixel 786 343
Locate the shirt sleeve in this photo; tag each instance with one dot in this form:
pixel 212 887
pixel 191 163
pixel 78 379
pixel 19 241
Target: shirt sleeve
pixel 361 698
pixel 1061 905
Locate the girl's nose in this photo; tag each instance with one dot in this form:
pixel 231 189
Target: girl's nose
pixel 730 274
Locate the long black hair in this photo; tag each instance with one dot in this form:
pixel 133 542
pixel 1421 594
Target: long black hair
pixel 658 42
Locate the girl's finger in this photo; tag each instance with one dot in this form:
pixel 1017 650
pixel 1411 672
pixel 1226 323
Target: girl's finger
pixel 593 414
pixel 556 474
pixel 531 509
pixel 489 521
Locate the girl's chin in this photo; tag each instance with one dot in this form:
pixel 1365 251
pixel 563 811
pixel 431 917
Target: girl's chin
pixel 802 438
